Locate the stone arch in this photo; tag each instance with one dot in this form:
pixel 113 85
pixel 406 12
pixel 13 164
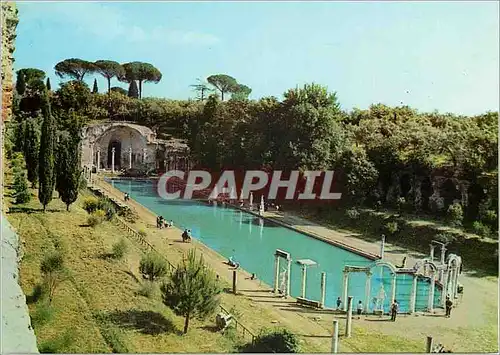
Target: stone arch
pixel 383 263
pixel 123 138
pixel 425 262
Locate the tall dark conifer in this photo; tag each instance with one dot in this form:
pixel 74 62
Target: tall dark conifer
pixel 133 90
pixel 68 167
pixel 95 89
pixel 46 174
pixel 47 85
pixel 31 149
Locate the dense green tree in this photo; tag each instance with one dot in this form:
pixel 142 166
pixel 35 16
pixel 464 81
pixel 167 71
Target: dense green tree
pixel 95 88
pixel 192 290
pixel 119 90
pixel 20 83
pixel 240 92
pixel 73 95
pixel 68 166
pixel 110 69
pixel 133 91
pixel 222 82
pixel 74 68
pixel 31 149
pixel 31 75
pixel 142 72
pixel 46 173
pixel 30 87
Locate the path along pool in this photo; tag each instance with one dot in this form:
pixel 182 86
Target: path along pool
pixel 252 242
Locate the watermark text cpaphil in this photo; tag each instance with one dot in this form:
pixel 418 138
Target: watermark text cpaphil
pixel 234 185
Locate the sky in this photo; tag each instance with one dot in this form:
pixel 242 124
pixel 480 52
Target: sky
pixel 429 55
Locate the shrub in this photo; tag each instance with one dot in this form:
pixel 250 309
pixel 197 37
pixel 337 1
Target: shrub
pixel 391 227
pixel 107 206
pixel 481 229
pixel 153 266
pixel 352 213
pixel 455 214
pixel 142 233
pixel 275 341
pixel 96 218
pixel 43 314
pixel 90 204
pixel 22 192
pixel 120 249
pixel 148 289
pixel 52 269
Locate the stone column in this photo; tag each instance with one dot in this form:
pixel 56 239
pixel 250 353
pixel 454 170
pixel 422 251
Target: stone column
pixel 455 282
pixel 368 290
pixel 113 160
pixel 304 272
pixel 413 297
pixel 432 251
pixel 91 156
pixel 276 273
pixel 144 150
pixel 443 254
pixel 444 292
pixel 288 278
pixel 130 158
pixel 335 339
pixel 98 159
pixel 348 318
pixel 393 288
pixel 323 289
pixel 345 284
pixel 430 302
pixel 382 247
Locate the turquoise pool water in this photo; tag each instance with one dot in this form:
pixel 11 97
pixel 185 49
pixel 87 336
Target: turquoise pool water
pixel 252 242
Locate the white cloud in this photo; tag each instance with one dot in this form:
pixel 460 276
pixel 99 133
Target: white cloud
pixel 108 23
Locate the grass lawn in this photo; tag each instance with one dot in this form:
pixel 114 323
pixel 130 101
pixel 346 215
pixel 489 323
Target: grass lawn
pixel 98 308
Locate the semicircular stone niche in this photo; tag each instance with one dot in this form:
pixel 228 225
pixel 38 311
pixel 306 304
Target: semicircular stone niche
pixel 125 145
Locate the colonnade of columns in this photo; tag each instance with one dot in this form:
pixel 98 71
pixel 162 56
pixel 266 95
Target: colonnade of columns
pixel 113 157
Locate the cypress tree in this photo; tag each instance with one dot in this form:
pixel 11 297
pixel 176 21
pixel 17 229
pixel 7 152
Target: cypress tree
pixel 68 168
pixel 95 89
pixel 20 84
pixel 46 174
pixel 31 150
pixel 47 85
pixel 133 91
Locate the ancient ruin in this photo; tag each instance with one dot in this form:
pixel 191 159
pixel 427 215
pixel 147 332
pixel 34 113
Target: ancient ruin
pixel 120 146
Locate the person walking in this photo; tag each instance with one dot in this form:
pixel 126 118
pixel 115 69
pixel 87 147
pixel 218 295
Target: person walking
pixel 360 308
pixel 449 305
pixel 394 310
pixel 339 302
